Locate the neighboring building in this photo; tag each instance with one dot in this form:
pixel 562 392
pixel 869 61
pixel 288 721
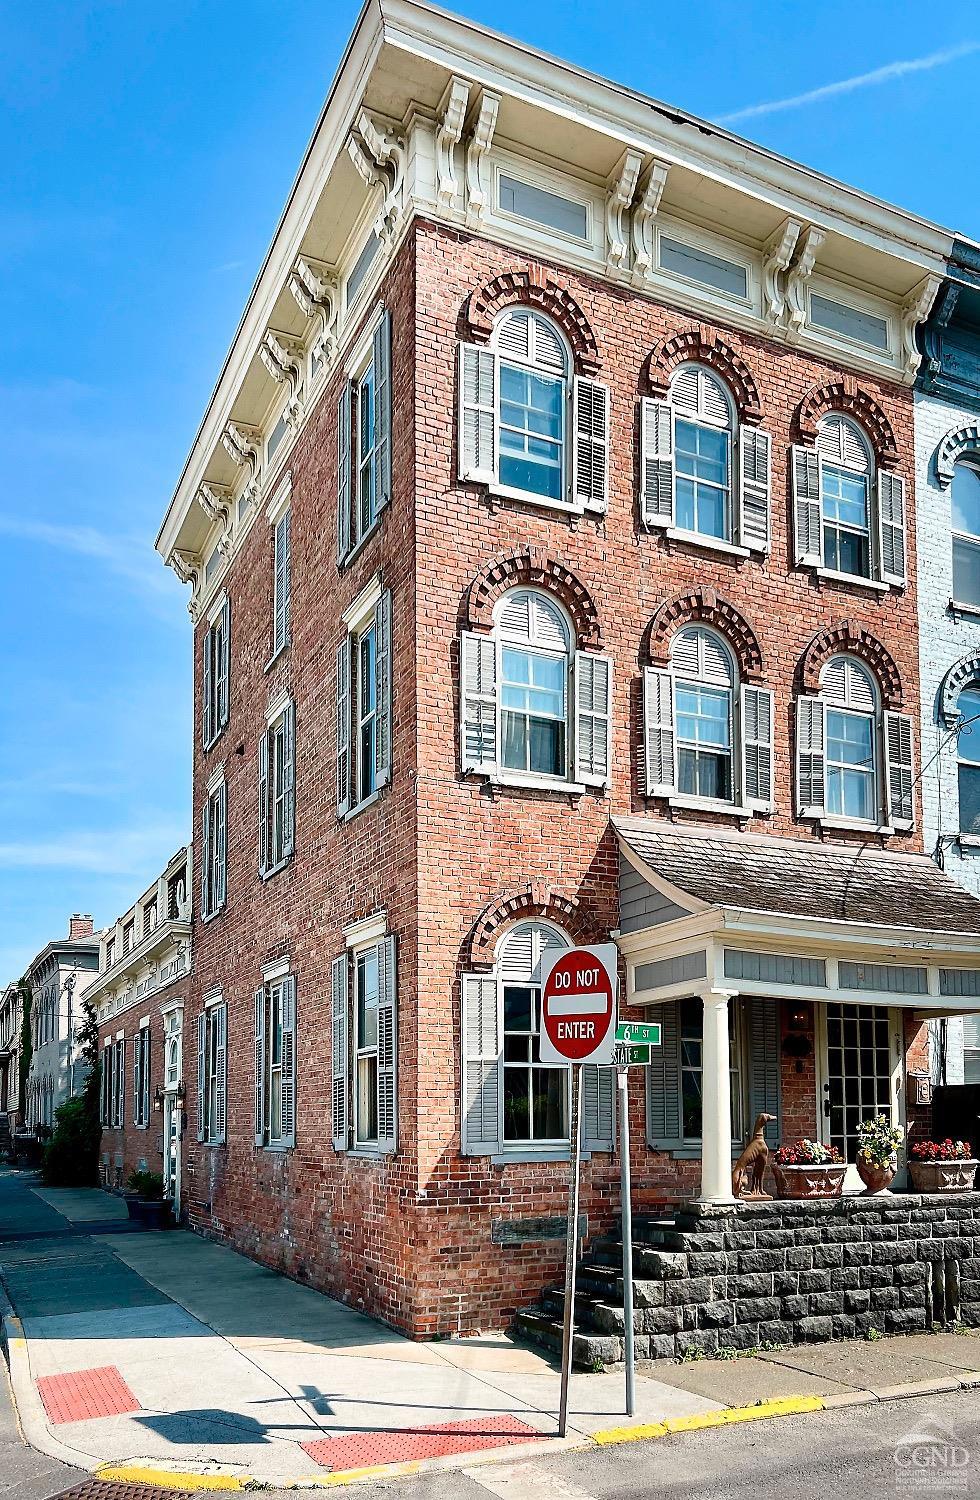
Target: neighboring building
pixel 57 980
pixel 139 996
pixel 11 1017
pixel 551 534
pixel 947 434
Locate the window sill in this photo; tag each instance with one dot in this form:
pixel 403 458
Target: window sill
pixel 274 869
pixel 528 1157
pixel 277 654
pixel 706 543
pixel 276 1147
pixel 360 544
pixel 957 607
pixel 528 497
pixel 856 825
pixel 360 807
pixel 541 783
pixel 968 840
pixel 704 804
pixel 366 1153
pixel 854 579
pixel 210 744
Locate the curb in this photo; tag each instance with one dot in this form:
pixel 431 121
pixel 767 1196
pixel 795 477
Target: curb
pixel 27 1403
pixel 174 1479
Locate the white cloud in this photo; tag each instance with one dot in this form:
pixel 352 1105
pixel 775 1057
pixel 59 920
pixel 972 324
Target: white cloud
pixel 128 557
pixel 129 852
pixel 886 74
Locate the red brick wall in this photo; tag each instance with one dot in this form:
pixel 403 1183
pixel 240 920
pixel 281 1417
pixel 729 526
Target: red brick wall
pixel 135 1143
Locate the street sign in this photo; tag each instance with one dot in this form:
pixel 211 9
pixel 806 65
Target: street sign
pixel 625 1056
pixel 642 1033
pixel 578 1006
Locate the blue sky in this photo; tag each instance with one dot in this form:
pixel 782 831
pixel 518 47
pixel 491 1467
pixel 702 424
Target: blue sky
pixel 146 152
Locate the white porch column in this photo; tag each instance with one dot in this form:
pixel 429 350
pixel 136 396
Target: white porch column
pixel 716 1100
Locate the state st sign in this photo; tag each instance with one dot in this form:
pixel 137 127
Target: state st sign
pixel 578 1006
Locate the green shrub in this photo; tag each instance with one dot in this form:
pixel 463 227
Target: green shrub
pixel 145 1184
pixel 71 1157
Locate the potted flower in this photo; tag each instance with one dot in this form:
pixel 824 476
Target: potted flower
pixel 876 1160
pixel 808 1169
pixel 942 1166
pixel 144 1199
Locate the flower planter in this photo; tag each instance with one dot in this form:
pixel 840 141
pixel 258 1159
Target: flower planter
pixel 152 1213
pixel 875 1177
pixel 809 1181
pixel 943 1176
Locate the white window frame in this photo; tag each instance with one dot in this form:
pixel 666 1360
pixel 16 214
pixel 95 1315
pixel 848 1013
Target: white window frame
pixel 214 849
pixel 279 515
pixel 277 788
pixel 514 492
pixel 214 1071
pixel 968 538
pixel 873 717
pixel 963 764
pixel 530 1146
pixel 678 677
pixel 141 1071
pixel 698 292
pixel 867 473
pixel 216 668
pixel 372 610
pixel 536 647
pixel 277 995
pixel 368 936
pixel 366 362
pixel 701 417
pixel 737 1067
pixel 847 296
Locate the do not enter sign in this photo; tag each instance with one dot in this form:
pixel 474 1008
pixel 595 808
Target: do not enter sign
pixel 578 1006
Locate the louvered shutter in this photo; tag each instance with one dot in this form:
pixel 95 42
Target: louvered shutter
pixel 147 1079
pixel 339 1058
pixel 807 528
pixel 201 1077
pixel 478 706
pixel 387 1045
pixel 382 411
pixel 811 773
pixel 345 407
pixel 287 1124
pixel 592 689
pixel 481 1049
pixel 899 778
pixel 206 857
pixel 137 1103
pixel 121 1082
pixel 590 445
pixel 664 1082
pixel 224 667
pixel 260 1066
pixel 478 407
pixel 754 527
pixel 220 1072
pixel 221 838
pixel 598 1108
pixel 264 820
pixel 656 462
pixel 343 727
pixel 658 732
pixel 282 585
pixel 207 717
pixel 382 720
pixel 891 526
pixel 756 727
pixel 762 1031
pixel 288 779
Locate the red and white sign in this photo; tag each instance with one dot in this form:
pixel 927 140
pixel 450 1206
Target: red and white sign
pixel 578 1006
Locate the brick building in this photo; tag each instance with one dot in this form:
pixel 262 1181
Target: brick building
pixel 139 995
pixel 552 546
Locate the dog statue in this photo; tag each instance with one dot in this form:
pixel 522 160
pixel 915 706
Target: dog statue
pixel 750 1169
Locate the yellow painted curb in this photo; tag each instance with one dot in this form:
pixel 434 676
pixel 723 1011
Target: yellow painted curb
pixel 786 1406
pixel 352 1476
pixel 170 1479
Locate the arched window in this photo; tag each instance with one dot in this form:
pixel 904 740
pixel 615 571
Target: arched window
pixel 852 761
pixel 968 758
pixel 704 691
pixel 846 470
pixel 966 531
pixel 535 1096
pixel 704 424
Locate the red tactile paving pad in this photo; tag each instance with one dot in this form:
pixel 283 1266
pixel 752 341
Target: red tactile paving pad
pixel 363 1450
pixel 86 1393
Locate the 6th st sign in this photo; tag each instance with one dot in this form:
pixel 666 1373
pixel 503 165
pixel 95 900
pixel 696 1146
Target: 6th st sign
pixel 578 1006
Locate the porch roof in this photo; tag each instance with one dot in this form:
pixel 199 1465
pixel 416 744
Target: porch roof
pixel 717 868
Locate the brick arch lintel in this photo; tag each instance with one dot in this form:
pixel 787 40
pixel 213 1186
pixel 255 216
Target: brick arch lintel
pixel 843 394
pixel 962 674
pixel 702 606
pixel 533 900
pixel 535 286
pixel 851 639
pixel 705 346
pixel 534 568
pixel 953 446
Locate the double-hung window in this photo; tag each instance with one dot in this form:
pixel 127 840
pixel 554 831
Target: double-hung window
pixel 845 499
pixel 214 848
pixel 212 1071
pixel 275 1063
pixel 277 789
pixel 282 581
pixel 848 517
pixel 215 675
pixel 141 1078
pixel 364 719
pixel 704 676
pixel 119 1084
pixel 364 441
pixel 968 758
pixel 533 708
pixel 703 422
pixel 966 533
pixel 364 1046
pixel 691 1023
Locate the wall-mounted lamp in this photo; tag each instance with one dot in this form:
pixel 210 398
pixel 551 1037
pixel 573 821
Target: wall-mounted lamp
pixel 157 1099
pixel 799 1019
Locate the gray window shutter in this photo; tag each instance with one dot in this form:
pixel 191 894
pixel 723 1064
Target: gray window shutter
pixel 656 462
pixel 345 407
pixel 891 526
pixel 137 1105
pixel 264 860
pixel 207 726
pixel 339 1059
pixel 224 677
pixel 478 406
pixel 282 583
pixel 598 1108
pixel 343 727
pixel 260 1066
pixel 206 856
pixel 764 1066
pixel 658 732
pixel 899 779
pixel 592 690
pixel 807 525
pixel 289 779
pixel 221 836
pixel 590 445
pixel 387 1045
pixel 202 1047
pixel 478 708
pixel 221 1074
pixel 382 418
pixel 481 1048
pixel 757 714
pixel 382 636
pixel 121 1082
pixel 811 771
pixel 664 1082
pixel 754 527
pixel 288 1110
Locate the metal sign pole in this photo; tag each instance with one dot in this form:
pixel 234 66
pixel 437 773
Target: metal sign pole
pixel 627 1219
pixel 571 1249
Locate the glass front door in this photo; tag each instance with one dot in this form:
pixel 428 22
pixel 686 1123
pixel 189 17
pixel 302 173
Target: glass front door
pixel 859 1066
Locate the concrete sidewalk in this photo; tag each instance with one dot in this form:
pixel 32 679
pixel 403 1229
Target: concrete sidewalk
pixel 136 1354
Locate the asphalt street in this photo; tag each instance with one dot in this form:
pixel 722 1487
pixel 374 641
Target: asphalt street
pixel 25 1474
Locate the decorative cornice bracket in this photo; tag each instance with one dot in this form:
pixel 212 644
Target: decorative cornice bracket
pixel 802 269
pixel 915 309
pixel 215 501
pixel 477 166
pixel 620 187
pixel 777 254
pixel 387 151
pixel 316 293
pixel 452 113
pixel 644 215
